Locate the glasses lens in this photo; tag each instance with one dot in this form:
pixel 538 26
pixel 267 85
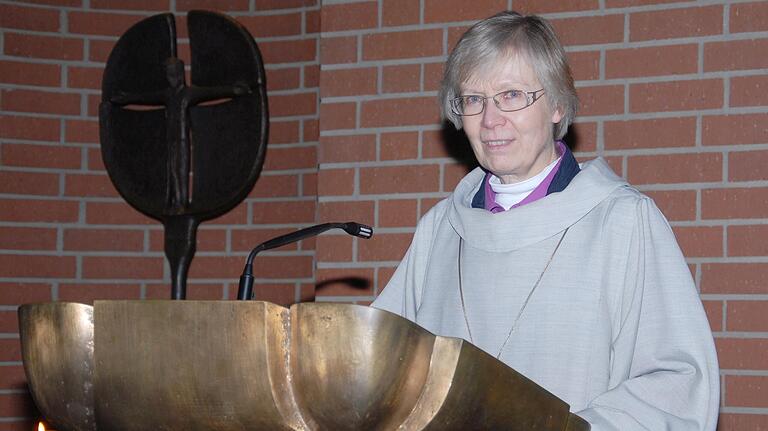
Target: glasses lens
pixel 511 100
pixel 468 105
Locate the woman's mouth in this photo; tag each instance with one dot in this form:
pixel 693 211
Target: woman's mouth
pixel 497 142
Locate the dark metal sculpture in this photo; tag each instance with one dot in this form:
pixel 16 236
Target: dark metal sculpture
pixel 171 155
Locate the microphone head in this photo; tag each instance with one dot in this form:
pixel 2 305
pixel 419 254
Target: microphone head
pixel 359 230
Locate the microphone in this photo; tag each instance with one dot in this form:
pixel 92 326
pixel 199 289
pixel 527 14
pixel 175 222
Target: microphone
pixel 245 291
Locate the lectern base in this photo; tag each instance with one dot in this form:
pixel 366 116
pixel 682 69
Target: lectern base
pixel 246 365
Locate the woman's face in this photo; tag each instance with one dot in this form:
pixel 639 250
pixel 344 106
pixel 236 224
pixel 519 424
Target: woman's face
pixel 517 145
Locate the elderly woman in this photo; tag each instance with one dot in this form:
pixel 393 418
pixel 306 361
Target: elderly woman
pixel 563 272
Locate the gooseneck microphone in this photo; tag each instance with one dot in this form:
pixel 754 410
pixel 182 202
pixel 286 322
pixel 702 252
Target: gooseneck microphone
pixel 245 291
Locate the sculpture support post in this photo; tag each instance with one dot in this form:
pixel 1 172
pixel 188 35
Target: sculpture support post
pixel 180 242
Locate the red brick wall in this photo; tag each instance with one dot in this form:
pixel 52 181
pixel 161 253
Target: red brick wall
pixel 673 95
pixel 66 235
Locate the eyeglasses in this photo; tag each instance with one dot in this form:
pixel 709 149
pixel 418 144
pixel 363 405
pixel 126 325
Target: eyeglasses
pixel 507 101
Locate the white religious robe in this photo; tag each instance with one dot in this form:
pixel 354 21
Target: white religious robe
pixel 615 327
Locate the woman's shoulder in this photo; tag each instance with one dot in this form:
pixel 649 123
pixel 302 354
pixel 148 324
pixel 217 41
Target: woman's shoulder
pixel 628 207
pixel 597 175
pixel 435 213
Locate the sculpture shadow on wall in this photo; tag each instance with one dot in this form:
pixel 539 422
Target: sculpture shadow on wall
pixel 358 283
pixel 574 139
pixel 456 145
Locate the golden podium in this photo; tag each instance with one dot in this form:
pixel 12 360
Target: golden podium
pixel 248 365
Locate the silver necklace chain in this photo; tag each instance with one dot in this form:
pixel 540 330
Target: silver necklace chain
pixel 525 303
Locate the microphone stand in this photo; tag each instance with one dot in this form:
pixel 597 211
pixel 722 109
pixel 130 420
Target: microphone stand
pixel 245 290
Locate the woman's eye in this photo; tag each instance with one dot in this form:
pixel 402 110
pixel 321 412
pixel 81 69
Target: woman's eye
pixel 513 94
pixel 473 100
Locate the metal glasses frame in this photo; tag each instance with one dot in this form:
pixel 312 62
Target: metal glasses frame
pixel 530 97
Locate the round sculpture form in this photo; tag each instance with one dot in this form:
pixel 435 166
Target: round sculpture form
pixel 226 365
pixel 179 153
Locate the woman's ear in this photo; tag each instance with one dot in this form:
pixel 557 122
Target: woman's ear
pixel 557 115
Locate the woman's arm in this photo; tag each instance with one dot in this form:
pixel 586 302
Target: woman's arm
pixel 664 372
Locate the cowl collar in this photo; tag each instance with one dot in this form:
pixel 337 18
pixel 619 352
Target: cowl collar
pixel 534 222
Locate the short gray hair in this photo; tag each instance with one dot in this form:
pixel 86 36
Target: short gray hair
pixel 502 35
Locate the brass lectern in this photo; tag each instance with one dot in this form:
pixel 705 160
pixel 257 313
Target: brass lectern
pixel 247 365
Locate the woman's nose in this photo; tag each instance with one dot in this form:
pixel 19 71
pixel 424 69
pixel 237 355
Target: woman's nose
pixel 492 115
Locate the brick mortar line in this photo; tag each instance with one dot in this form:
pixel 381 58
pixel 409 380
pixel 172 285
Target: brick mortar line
pixel 296 171
pixel 674 114
pixel 377 64
pixel 294 65
pixel 42 115
pixel 720 37
pixel 377 97
pixel 289 91
pixel 35 6
pixel 718 223
pixel 84 145
pixel 109 38
pixel 358 265
pixel 84 199
pixel 34 169
pixel 383 163
pixel 101 282
pixel 308 144
pixel 67 34
pixel 140 253
pixel 700 186
pixel 96 281
pixel 68 225
pixel 118 199
pixel 380 196
pixel 389 62
pixel 734 297
pixel 739 372
pixel 377 282
pixel 12 419
pixel 708 149
pixel 192 281
pixel 97 253
pixel 744 335
pixel 744 410
pixel 273 253
pixel 272 12
pixel 146 230
pixel 731 259
pixel 372 131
